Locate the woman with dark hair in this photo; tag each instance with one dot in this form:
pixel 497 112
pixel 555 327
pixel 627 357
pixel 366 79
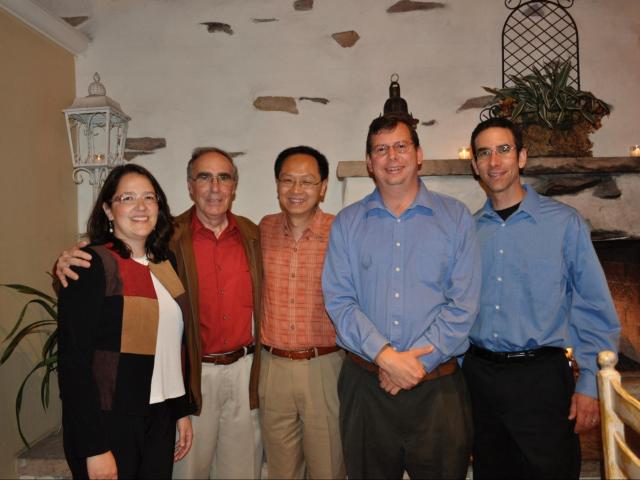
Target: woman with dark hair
pixel 121 340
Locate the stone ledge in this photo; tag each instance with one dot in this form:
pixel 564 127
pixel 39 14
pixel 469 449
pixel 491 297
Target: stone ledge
pixel 535 166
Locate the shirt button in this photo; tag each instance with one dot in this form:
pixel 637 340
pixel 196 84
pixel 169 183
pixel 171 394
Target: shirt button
pixel 295 249
pixel 222 291
pixel 396 322
pixel 497 307
pixel 224 317
pixel 397 295
pixel 501 251
pixel 502 224
pixel 291 301
pixel 397 244
pixel 499 279
pixel 495 335
pixel 293 275
pixel 398 220
pixel 292 327
pixel 397 269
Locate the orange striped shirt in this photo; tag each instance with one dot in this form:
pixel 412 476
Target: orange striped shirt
pixel 294 316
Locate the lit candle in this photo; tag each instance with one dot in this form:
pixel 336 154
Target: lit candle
pixel 634 150
pixel 98 158
pixel 464 153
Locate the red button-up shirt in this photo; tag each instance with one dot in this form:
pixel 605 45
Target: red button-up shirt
pixel 294 314
pixel 224 287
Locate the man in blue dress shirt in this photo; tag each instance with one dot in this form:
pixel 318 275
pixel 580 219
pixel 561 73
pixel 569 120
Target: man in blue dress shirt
pixel 401 284
pixel 543 290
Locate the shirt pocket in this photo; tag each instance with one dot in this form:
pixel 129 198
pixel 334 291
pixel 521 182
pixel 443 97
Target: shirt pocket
pixel 545 281
pixel 432 264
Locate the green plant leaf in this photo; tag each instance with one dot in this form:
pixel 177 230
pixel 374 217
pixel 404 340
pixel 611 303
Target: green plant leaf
pixel 27 290
pixel 590 118
pixel 47 307
pixel 38 366
pixel 50 345
pixel 517 111
pixel 34 327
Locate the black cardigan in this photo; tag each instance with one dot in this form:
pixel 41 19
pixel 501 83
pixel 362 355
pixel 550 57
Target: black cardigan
pixel 108 322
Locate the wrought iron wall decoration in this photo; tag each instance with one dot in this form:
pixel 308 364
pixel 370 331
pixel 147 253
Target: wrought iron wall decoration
pixel 535 33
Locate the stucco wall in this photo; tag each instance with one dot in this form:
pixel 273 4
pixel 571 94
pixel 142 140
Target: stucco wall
pixel 37 207
pixel 197 88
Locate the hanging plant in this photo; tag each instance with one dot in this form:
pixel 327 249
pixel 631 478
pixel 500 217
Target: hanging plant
pixel 48 359
pixel 556 118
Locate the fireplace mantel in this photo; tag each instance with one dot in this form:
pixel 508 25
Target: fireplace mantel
pixel 535 166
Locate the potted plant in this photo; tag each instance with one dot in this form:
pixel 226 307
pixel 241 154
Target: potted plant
pixel 48 360
pixel 556 119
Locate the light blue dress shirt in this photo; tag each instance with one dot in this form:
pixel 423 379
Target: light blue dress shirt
pixel 411 281
pixel 542 285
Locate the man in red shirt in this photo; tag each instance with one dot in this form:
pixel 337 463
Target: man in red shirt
pixel 220 265
pixel 301 362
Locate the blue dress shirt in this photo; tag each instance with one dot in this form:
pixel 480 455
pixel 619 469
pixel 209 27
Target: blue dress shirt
pixel 411 281
pixel 542 285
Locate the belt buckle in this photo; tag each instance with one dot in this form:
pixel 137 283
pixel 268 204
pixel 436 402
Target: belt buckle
pixel 517 355
pixel 525 354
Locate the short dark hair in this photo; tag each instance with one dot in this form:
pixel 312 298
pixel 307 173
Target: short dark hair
pixel 157 243
pixel 321 160
pixel 389 121
pixel 497 122
pixel 198 152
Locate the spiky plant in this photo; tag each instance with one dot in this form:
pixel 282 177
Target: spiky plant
pixel 544 98
pixel 48 359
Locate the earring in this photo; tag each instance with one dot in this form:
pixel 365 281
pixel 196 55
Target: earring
pixel 110 226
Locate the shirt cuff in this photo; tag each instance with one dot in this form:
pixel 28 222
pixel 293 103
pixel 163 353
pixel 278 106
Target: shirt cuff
pixel 372 346
pixel 587 385
pixel 431 360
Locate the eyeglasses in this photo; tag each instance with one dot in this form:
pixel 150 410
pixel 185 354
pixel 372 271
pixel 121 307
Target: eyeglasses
pixel 305 183
pixel 501 151
pixel 205 178
pixel 398 147
pixel 130 198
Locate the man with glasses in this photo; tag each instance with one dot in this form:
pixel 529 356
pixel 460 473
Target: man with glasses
pixel 543 290
pixel 401 283
pixel 220 265
pixel 300 363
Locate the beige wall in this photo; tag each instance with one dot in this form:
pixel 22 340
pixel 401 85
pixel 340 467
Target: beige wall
pixel 37 205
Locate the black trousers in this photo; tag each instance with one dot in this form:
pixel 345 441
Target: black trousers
pixel 520 419
pixel 142 446
pixel 425 431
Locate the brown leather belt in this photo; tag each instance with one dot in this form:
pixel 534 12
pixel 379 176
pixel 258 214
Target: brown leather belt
pixel 229 357
pixel 442 370
pixel 302 354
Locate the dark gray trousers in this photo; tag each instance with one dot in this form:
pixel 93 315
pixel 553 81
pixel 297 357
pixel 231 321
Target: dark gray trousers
pixel 426 431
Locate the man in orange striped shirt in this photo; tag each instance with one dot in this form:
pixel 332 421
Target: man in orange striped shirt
pixel 300 366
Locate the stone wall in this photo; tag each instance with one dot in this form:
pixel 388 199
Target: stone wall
pixel 256 76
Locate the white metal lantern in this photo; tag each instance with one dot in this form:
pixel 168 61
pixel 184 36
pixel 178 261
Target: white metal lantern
pixel 97 129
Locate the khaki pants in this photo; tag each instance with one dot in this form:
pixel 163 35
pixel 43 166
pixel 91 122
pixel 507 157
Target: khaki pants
pixel 226 435
pixel 299 410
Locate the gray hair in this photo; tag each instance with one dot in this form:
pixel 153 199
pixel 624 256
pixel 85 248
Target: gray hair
pixel 199 151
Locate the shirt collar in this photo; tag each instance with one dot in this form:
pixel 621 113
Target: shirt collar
pixel 197 227
pixel 423 200
pixel 530 205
